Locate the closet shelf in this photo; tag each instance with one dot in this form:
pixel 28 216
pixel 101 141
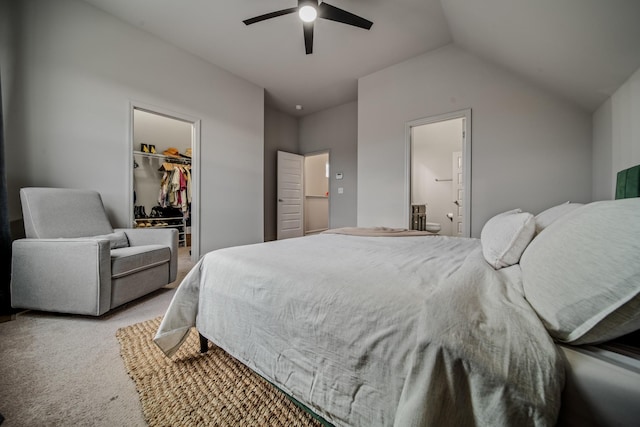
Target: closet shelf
pixel 156 218
pixel 183 160
pixel 180 226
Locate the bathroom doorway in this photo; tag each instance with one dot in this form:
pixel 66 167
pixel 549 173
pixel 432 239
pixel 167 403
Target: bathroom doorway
pixel 316 193
pixel 439 177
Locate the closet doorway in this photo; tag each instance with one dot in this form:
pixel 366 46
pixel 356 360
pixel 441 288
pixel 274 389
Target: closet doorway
pixel 439 173
pixel 164 176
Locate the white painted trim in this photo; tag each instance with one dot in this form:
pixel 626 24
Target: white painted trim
pixel 195 167
pixel 195 190
pixel 466 155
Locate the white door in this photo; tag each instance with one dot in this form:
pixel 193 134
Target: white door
pixel 457 193
pixel 290 195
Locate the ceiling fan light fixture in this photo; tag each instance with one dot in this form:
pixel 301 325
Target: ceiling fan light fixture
pixel 308 13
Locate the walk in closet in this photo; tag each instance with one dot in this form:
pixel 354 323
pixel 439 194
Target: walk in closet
pixel 162 192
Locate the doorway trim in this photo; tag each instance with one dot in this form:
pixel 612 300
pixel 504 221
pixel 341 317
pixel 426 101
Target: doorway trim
pixel 195 166
pixel 466 156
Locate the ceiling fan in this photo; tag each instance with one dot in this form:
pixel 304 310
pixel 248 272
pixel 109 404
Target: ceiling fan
pixel 308 11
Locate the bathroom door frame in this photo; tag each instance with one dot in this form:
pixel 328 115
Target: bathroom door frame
pixel 195 166
pixel 466 156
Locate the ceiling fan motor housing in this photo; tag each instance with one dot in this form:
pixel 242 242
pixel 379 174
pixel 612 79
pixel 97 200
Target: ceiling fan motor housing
pixel 324 11
pixel 312 3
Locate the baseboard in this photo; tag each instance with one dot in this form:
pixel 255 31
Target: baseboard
pixel 7 317
pixel 317 231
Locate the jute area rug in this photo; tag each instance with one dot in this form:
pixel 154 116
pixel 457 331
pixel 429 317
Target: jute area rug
pixel 194 389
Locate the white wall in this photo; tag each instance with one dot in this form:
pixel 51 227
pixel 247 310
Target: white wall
pixel 602 177
pixel 431 158
pixel 335 129
pixel 616 137
pixel 77 69
pixel 528 149
pixel 280 133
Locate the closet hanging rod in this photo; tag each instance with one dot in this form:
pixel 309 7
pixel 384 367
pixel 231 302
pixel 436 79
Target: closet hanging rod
pixel 183 160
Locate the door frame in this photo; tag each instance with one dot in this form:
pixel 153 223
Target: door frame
pixel 466 156
pixel 195 166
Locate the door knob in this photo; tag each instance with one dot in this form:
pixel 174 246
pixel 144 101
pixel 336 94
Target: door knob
pixel 280 200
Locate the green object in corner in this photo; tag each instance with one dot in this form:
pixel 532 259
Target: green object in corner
pixel 628 183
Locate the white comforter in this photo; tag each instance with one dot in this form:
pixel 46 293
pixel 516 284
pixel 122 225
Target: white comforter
pixel 368 331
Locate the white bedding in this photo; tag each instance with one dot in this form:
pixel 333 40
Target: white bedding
pixel 369 331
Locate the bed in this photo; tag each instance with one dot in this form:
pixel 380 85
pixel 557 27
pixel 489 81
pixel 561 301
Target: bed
pixel 427 330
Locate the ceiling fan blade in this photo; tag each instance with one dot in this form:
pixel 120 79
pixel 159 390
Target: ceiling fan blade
pixel 270 15
pixel 333 13
pixel 307 28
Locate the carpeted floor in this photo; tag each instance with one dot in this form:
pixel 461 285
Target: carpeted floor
pixel 193 389
pixel 66 370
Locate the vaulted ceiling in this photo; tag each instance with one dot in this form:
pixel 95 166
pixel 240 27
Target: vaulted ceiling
pixel 582 50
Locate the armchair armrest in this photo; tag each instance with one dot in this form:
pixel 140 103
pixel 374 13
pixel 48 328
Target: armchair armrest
pixel 62 275
pixel 156 236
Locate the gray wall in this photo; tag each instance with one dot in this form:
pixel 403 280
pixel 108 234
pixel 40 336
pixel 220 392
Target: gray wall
pixel 529 149
pixel 616 137
pixel 335 129
pixel 73 71
pixel 602 176
pixel 280 134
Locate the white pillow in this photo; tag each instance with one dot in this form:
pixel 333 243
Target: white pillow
pixel 546 217
pixel 505 237
pixel 582 275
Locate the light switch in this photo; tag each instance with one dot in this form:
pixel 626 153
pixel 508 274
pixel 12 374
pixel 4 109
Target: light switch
pixel 339 175
pixel 340 190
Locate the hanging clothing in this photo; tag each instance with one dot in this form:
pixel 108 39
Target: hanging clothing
pixel 175 187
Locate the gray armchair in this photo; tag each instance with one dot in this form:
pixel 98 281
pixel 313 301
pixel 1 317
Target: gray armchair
pixel 72 261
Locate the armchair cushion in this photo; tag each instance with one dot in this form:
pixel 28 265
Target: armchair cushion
pixel 125 261
pixel 157 236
